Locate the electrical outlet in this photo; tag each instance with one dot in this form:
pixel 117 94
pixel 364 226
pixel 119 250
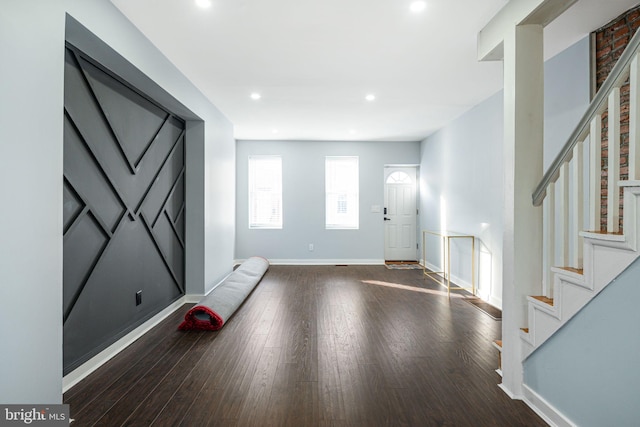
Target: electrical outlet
pixel 138 297
pixel 310 247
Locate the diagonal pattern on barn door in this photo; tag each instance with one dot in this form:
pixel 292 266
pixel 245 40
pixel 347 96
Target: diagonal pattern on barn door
pixel 124 198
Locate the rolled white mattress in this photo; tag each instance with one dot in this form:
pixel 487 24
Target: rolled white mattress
pixel 215 309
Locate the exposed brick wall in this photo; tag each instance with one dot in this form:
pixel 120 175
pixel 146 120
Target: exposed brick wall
pixel 610 42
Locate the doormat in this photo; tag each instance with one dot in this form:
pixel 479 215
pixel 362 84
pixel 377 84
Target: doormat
pixel 493 312
pixel 403 265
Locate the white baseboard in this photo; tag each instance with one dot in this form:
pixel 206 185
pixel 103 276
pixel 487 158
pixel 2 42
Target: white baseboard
pixel 496 302
pixel 195 298
pixel 323 261
pixel 544 409
pixel 454 279
pixel 508 392
pixel 493 299
pixel 82 371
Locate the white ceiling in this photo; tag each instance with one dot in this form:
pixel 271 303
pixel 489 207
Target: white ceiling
pixel 314 61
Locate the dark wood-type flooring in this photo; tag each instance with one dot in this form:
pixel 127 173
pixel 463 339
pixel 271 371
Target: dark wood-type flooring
pixel 313 346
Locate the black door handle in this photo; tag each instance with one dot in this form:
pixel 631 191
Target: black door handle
pixel 387 219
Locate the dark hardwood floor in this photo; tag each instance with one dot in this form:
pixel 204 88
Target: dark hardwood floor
pixel 313 346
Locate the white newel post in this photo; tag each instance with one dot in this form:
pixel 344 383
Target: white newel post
pixel 523 162
pixel 514 35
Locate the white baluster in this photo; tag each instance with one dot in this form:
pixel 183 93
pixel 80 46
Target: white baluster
pixel 613 194
pixel 549 239
pixel 563 214
pixel 577 204
pixel 634 119
pixel 595 172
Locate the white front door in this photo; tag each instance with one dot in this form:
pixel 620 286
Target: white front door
pixel 400 214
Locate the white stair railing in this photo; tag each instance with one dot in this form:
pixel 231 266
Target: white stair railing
pixel 563 188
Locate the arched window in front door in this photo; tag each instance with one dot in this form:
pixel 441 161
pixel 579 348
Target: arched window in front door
pixel 399 177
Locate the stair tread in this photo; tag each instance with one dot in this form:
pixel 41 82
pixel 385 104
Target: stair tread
pixel 543 299
pixel 617 236
pixel 629 183
pixel 498 343
pixel 606 233
pixel 573 270
pixel 525 330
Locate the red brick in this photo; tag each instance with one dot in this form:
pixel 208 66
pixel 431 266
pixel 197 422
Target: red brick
pixel 633 15
pixel 616 54
pixel 603 52
pixel 621 32
pixel 615 26
pixel 620 43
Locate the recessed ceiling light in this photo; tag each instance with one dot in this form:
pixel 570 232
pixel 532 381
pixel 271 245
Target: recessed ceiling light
pixel 255 96
pixel 418 6
pixel 370 97
pixel 203 3
pixel 274 130
pixel 352 131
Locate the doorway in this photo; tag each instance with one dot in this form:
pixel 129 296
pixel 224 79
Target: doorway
pixel 400 213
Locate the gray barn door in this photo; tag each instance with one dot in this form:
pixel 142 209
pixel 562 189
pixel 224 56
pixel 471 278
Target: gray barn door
pixel 124 203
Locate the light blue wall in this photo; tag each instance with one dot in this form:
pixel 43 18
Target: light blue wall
pixel 304 201
pixel 462 173
pixel 566 96
pixel 32 40
pixel 461 191
pixel 589 369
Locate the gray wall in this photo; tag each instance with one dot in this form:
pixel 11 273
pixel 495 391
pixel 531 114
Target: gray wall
pixel 462 176
pixel 303 201
pixel 589 369
pixel 32 37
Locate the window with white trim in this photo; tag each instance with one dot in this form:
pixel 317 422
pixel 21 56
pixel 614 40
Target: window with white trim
pixel 341 192
pixel 265 192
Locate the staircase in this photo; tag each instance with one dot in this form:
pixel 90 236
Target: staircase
pixel 605 256
pixel 578 264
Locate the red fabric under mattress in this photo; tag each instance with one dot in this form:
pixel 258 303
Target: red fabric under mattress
pixel 191 322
